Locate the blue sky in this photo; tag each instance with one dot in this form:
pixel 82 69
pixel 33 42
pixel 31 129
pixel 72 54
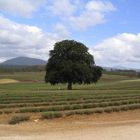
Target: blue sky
pixel 109 28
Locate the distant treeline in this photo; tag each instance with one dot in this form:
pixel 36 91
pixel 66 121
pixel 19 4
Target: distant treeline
pixel 39 68
pixel 131 73
pixel 10 68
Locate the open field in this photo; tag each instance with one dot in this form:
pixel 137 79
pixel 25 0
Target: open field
pixel 32 97
pixel 110 108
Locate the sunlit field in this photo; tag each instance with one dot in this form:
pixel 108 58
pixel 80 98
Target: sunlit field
pixel 31 96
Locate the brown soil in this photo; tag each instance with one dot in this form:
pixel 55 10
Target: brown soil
pixel 114 126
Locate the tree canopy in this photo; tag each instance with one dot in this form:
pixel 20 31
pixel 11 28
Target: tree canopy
pixel 70 62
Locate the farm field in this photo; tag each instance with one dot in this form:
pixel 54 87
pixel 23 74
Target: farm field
pixel 31 98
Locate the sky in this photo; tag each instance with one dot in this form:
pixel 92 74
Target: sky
pixel 109 28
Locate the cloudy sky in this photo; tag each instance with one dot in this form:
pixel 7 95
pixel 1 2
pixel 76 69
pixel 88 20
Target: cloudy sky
pixel 109 28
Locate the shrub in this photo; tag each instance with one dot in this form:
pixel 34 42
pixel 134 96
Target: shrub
pixel 18 119
pixel 79 112
pixel 117 103
pixel 99 111
pixel 125 108
pixel 116 109
pixel 51 115
pixel 70 113
pixel 88 112
pixel 104 104
pixel 77 107
pixel 108 110
pixel 88 105
pixel 7 111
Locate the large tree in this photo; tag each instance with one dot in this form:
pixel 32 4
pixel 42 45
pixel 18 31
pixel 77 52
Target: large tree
pixel 70 62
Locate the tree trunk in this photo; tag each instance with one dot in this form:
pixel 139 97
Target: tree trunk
pixel 69 87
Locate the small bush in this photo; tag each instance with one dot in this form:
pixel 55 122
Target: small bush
pixel 70 113
pixel 52 115
pixel 7 111
pixel 108 110
pixel 99 111
pixel 125 108
pixel 18 119
pixel 87 105
pixel 88 112
pixel 74 107
pixel 116 109
pixel 79 112
pixel 117 103
pixel 104 104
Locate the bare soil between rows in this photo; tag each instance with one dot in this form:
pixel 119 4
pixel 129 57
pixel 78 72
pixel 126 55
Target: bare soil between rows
pixel 114 126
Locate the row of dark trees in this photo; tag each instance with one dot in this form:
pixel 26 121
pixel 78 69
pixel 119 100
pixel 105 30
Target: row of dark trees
pixel 130 73
pixel 12 69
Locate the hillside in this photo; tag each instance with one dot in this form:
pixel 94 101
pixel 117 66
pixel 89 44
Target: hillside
pixel 24 61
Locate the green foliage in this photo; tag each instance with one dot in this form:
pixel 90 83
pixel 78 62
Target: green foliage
pixel 96 73
pixel 18 119
pixel 70 62
pixel 52 115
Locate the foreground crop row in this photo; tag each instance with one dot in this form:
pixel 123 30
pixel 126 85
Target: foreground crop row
pixel 57 114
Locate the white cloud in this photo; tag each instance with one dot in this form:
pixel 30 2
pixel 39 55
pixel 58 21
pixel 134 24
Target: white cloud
pixel 76 13
pixel 23 8
pixel 62 8
pixel 81 15
pixel 118 50
pixel 87 19
pixel 61 30
pixel 95 5
pixel 92 14
pixel 23 40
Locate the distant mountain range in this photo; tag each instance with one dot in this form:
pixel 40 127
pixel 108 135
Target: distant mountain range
pixel 23 61
pixel 27 61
